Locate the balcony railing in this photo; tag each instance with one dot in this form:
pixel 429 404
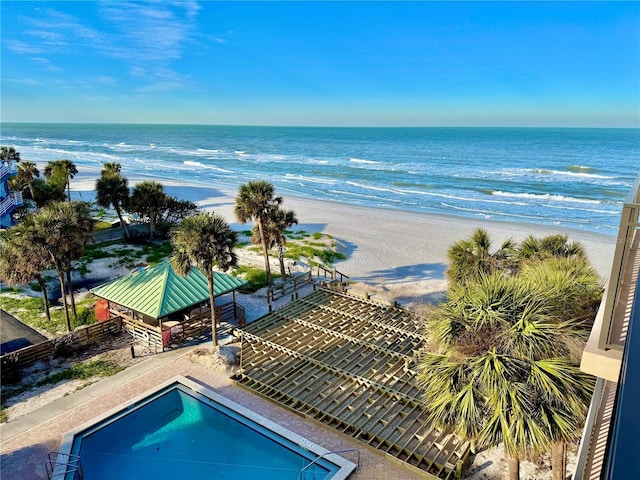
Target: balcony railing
pixel 624 275
pixel 8 168
pixel 14 199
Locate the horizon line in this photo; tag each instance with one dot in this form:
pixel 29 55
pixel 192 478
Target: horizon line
pixel 319 126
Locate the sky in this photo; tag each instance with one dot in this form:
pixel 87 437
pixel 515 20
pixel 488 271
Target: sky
pixel 322 63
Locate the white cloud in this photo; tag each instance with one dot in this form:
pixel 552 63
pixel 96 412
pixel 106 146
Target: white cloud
pixel 145 35
pixel 46 63
pixel 23 48
pixel 23 81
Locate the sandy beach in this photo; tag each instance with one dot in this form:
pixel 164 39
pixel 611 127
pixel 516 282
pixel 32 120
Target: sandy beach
pixel 394 254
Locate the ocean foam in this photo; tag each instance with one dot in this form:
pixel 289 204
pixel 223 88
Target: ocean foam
pixel 545 196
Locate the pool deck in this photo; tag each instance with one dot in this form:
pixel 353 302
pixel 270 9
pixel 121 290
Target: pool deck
pixel 26 441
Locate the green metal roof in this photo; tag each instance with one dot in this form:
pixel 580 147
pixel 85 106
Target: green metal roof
pixel 159 291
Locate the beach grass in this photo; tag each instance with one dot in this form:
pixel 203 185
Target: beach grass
pixel 78 371
pixel 30 310
pixel 256 278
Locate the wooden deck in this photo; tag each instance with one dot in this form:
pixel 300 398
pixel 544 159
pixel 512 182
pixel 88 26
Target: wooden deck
pixel 349 363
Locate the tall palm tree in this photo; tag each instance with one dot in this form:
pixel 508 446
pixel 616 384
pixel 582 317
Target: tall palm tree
pixel 473 257
pixel 277 223
pixel 148 200
pixel 112 189
pixel 254 202
pixel 63 229
pixel 501 367
pixel 23 259
pixel 64 170
pixel 111 167
pixel 204 240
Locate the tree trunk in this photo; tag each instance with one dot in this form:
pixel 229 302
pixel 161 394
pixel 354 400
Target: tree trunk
pixel 122 222
pixel 64 300
pixel 513 463
pixel 73 300
pixel 43 286
pixel 265 251
pixel 559 460
pixel 152 224
pixel 68 188
pixel 281 259
pixel 212 302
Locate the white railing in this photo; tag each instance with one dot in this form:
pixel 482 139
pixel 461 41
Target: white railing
pixel 8 167
pixel 13 199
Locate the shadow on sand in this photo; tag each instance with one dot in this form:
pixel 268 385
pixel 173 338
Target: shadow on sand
pixel 409 273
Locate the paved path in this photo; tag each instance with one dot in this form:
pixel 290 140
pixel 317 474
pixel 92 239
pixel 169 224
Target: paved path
pixel 15 335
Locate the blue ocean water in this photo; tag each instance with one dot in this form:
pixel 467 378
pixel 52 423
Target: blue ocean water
pixel 574 178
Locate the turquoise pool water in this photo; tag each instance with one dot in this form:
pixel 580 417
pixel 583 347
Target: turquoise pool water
pixel 179 433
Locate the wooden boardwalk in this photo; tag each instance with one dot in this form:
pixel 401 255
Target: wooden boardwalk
pixel 349 363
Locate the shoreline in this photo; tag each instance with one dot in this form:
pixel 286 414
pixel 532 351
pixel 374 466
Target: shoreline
pixel 387 250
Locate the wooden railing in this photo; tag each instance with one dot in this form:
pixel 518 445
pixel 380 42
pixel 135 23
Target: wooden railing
pixel 173 333
pixel 143 334
pixel 46 350
pixel 288 286
pixel 331 273
pixel 231 313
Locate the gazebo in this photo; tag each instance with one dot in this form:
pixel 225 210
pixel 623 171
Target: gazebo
pixel 160 308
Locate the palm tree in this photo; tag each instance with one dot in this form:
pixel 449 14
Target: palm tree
pixel 277 223
pixel 254 202
pixel 27 173
pixel 204 240
pixel 63 229
pixel 534 248
pixel 148 200
pixel 9 153
pixel 62 171
pixel 113 189
pixel 111 167
pixel 499 370
pixel 23 259
pixel 473 257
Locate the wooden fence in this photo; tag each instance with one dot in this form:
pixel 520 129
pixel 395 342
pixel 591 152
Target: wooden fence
pixel 11 363
pixel 288 286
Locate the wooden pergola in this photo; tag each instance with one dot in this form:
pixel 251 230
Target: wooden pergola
pixel 161 308
pixel 350 363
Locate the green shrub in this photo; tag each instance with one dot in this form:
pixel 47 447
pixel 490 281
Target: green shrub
pixel 83 371
pixel 256 278
pixel 157 252
pixel 86 316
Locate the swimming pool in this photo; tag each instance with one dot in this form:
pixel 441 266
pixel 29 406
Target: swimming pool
pixel 182 429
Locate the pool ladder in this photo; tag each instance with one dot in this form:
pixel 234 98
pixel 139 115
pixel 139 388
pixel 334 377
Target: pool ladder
pixel 302 473
pixel 60 465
